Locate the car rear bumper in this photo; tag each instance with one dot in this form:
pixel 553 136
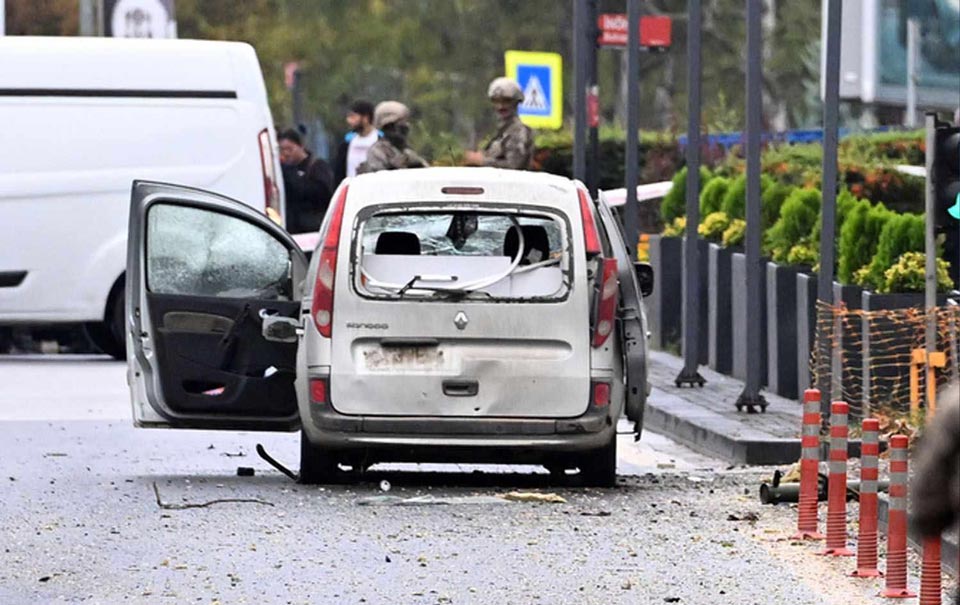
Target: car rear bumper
pixel 329 428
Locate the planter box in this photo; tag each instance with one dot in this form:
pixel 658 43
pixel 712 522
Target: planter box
pixel 739 314
pixel 719 335
pixel 887 344
pixel 806 327
pixel 666 257
pixel 847 356
pixel 782 329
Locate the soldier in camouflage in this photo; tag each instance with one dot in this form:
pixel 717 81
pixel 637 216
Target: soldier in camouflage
pixel 391 151
pixel 512 145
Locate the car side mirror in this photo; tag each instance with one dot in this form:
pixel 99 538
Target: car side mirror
pixel 644 278
pixel 280 329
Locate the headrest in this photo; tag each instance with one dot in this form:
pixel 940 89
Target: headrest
pixel 536 244
pixel 398 242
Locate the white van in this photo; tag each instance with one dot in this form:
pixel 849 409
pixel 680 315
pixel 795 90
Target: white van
pixel 81 118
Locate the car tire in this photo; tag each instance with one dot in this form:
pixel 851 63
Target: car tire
pixel 598 468
pixel 316 464
pixel 108 335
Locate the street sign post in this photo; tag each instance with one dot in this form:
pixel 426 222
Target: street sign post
pixel 540 76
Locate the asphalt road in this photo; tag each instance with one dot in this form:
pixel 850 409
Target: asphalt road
pixel 95 511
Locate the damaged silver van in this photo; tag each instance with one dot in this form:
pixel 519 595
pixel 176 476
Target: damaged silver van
pixel 446 315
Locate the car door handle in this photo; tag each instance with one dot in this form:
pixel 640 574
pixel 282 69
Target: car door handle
pixel 394 343
pixel 461 388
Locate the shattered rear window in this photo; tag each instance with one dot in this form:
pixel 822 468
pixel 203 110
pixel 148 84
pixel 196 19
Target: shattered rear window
pixel 456 255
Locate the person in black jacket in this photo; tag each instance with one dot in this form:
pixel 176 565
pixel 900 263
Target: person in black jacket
pixel 307 183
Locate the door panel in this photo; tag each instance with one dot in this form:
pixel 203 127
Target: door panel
pixel 203 272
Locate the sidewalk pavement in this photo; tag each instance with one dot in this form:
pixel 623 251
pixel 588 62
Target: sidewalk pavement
pixel 706 419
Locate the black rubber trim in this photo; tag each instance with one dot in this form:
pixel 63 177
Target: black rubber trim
pixel 118 93
pixel 12 279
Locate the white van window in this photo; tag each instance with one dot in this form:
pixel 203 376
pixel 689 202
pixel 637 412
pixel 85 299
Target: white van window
pixel 441 255
pixel 201 253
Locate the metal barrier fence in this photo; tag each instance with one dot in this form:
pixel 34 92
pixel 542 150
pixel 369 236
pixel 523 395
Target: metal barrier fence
pixel 877 361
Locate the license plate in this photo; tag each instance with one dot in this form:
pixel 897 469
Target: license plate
pixel 403 358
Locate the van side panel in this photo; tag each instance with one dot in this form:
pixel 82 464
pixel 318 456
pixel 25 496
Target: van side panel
pixel 65 178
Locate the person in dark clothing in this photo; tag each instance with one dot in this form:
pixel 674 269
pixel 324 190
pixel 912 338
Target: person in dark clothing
pixel 307 183
pixel 935 493
pixel 356 143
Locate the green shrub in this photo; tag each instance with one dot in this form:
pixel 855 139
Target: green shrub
pixel 711 196
pixel 735 199
pixel 675 202
pixel 676 228
pixel 909 274
pixel 771 202
pixel 858 238
pixel 735 233
pixel 713 225
pixel 901 233
pixel 797 219
pixel 805 253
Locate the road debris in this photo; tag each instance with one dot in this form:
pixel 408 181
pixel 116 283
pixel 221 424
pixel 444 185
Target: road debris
pixel 245 471
pixel 172 506
pixel 534 497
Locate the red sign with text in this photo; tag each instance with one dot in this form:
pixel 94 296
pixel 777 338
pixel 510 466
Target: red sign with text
pixel 655 31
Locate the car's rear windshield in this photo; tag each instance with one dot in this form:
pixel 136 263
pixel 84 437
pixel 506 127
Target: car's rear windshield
pixel 446 254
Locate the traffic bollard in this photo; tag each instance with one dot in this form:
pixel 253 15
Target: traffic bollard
pixel 837 483
pixel 869 474
pixel 807 517
pixel 896 572
pixel 931 582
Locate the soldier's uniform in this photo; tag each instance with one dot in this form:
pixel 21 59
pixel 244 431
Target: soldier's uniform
pixel 390 152
pixel 384 156
pixel 511 146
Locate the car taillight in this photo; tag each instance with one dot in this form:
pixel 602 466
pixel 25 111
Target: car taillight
pixel 607 306
pixel 271 188
pixel 601 394
pixel 591 239
pixel 318 390
pixel 322 307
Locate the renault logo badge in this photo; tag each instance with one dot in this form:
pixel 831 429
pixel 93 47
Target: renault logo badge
pixel 461 320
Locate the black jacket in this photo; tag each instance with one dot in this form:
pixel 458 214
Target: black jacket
pixel 308 187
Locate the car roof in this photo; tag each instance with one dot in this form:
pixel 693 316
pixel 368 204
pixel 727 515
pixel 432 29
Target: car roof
pixel 498 185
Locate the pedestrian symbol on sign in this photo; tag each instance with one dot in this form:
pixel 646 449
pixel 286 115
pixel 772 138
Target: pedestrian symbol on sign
pixel 534 98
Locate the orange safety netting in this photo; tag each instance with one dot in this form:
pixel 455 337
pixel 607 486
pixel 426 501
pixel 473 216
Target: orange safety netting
pixel 867 356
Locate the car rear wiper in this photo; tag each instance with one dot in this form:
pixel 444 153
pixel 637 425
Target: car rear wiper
pixel 413 280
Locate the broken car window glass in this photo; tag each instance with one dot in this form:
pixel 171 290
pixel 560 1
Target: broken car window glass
pixel 202 253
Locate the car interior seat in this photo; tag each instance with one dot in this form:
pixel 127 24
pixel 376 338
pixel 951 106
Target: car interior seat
pixel 398 242
pixel 536 244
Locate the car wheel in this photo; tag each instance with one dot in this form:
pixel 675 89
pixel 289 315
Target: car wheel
pixel 108 335
pixel 316 463
pixel 598 468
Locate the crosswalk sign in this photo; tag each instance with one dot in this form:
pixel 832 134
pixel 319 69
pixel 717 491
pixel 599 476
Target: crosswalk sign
pixel 540 76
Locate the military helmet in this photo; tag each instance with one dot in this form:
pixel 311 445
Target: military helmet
pixel 390 112
pixel 505 88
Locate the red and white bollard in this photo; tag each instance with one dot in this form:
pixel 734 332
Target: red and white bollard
pixel 837 485
pixel 931 580
pixel 869 474
pixel 896 571
pixel 807 520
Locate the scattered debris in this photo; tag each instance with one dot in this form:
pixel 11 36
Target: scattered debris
pixel 427 500
pixel 234 455
pixel 751 516
pixel 55 455
pixel 44 579
pixel 671 599
pixel 384 486
pixel 171 506
pixel 534 497
pixel 269 459
pixel 245 471
pixel 599 513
